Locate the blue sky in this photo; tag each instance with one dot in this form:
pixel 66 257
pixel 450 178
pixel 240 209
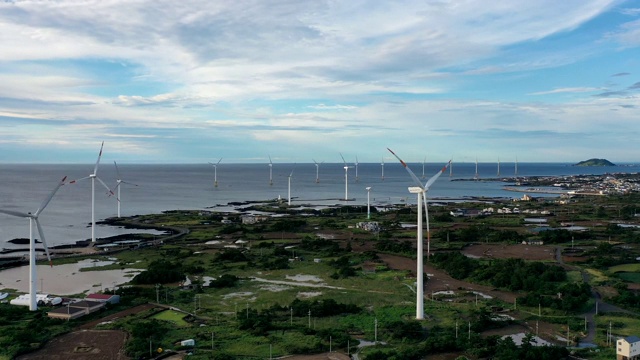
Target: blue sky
pixel 192 81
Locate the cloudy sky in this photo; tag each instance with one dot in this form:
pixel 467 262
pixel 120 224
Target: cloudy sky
pixel 192 81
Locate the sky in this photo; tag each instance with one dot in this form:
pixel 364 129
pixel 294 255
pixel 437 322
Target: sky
pixel 193 81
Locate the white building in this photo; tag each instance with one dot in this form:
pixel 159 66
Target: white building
pixel 628 348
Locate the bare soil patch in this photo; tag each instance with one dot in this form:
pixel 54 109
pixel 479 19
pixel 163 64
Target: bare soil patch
pixel 83 345
pixel 526 252
pixel 439 280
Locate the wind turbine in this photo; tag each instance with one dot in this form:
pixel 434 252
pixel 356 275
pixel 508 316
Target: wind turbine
pixel 368 188
pixel 450 168
pixel 356 164
pixel 119 182
pixel 33 304
pixel 317 170
pixel 215 172
pixel 516 167
pixel 476 176
pixel 382 164
pixel 270 171
pixel 423 161
pixel 94 177
pixel 289 188
pixel 421 191
pixel 498 167
pixel 346 178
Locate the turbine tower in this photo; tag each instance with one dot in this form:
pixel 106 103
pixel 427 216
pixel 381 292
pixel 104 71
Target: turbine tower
pixel 317 170
pixel 215 172
pixel 289 189
pixel 94 177
pixel 382 166
pixel 356 164
pixel 421 191
pixel 119 182
pixel 346 179
pixel 423 162
pixel 476 176
pixel 516 167
pixel 498 167
pixel 270 171
pixel 33 218
pixel 368 202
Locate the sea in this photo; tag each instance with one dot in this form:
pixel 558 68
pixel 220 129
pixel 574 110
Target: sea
pixel 154 188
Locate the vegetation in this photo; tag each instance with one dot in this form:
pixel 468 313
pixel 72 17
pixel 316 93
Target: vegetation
pixel 309 281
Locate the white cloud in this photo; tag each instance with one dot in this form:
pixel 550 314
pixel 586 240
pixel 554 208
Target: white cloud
pixel 567 90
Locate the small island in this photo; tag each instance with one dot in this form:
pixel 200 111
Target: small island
pixel 595 162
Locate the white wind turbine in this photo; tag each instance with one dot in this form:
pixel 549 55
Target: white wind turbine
pixel 270 171
pixel 382 165
pixel 317 170
pixel 119 183
pixel 356 164
pixel 346 178
pixel 368 188
pixel 215 172
pixel 33 305
pixel 289 189
pixel 94 177
pixel 421 191
pixel 423 162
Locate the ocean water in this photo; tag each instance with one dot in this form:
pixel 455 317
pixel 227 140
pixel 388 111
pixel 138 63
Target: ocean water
pixel 191 186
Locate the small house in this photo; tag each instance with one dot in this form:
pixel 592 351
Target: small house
pixel 628 348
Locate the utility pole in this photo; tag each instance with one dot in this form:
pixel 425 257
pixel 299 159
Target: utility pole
pixel 212 340
pixel 291 315
pixel 330 340
pixel 469 336
pixel 456 329
pixel 309 318
pixel 375 331
pixel 157 293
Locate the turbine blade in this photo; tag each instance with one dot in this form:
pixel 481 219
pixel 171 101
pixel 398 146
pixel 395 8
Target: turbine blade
pixel 95 169
pixel 76 180
pixel 117 171
pixel 44 242
pixel 314 161
pixel 436 176
pixel 219 161
pixel 413 176
pixel 46 201
pixel 269 159
pixel 128 183
pixel 15 213
pixel 356 159
pixel 109 192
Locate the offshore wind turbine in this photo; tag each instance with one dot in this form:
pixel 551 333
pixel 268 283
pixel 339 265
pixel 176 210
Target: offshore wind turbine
pixel 270 171
pixel 94 176
pixel 368 188
pixel 516 167
pixel 215 172
pixel 382 165
pixel 346 178
pixel 356 164
pixel 450 168
pixel 119 182
pixel 33 218
pixel 289 189
pixel 498 167
pixel 423 161
pixel 421 191
pixel 317 170
pixel 476 176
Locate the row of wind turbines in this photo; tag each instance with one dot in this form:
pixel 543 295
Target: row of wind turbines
pixel 33 218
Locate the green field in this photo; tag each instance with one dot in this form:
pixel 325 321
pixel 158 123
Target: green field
pixel 625 268
pixel 633 277
pixel 173 316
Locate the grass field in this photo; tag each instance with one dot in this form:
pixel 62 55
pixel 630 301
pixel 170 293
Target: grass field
pixel 625 268
pixel 173 316
pixel 633 277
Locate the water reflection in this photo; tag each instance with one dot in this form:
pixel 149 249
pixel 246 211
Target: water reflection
pixel 66 279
